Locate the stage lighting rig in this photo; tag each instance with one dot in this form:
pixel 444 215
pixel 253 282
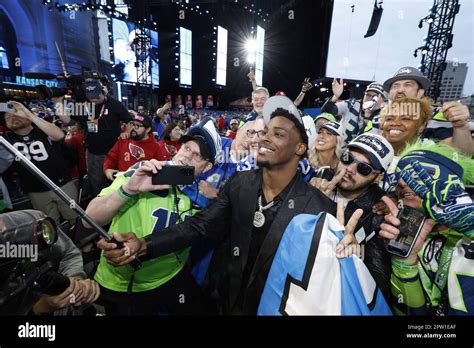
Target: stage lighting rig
pixel 437 42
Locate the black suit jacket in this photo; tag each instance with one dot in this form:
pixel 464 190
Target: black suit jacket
pixel 230 217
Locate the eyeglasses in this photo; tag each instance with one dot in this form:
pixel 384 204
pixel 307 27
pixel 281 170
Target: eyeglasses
pixel 136 125
pixel 195 155
pixel 251 133
pixel 363 168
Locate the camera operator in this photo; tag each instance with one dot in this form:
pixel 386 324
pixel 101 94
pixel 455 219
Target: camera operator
pixel 81 290
pixel 39 141
pixel 436 277
pixel 54 265
pixel 102 129
pixel 361 168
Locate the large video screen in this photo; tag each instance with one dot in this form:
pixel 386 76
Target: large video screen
pixel 221 71
pixel 378 57
pixel 185 57
pixel 28 43
pixel 259 57
pixel 125 50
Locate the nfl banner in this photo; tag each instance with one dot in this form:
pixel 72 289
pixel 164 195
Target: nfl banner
pixel 306 277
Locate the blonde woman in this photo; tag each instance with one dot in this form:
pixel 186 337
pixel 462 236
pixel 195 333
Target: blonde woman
pixel 328 146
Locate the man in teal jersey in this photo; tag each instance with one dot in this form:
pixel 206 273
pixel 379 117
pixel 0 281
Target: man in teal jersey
pixel 163 284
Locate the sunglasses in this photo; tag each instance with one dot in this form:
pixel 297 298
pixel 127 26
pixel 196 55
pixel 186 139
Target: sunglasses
pixel 363 168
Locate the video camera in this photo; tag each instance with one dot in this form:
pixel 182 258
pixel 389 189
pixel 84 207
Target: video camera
pixel 28 263
pixel 74 84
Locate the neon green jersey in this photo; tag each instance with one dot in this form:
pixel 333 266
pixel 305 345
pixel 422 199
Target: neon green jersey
pixel 148 214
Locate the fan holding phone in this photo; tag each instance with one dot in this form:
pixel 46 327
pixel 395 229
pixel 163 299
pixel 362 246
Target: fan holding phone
pixel 147 198
pixel 431 236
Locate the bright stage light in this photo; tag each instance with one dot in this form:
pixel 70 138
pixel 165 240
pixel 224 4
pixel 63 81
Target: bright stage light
pixel 251 46
pixel 251 58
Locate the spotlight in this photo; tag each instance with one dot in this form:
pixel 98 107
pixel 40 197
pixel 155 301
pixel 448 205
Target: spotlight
pixel 251 45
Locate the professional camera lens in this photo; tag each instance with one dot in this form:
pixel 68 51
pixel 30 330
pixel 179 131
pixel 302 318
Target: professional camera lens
pixel 45 232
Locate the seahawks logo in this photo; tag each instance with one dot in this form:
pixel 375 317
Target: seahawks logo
pixel 380 148
pixel 404 71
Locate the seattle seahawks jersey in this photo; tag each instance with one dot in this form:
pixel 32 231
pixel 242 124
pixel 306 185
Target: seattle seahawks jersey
pixel 149 213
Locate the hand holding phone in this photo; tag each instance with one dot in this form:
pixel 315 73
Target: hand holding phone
pixel 174 175
pixel 7 107
pixel 390 230
pixel 411 223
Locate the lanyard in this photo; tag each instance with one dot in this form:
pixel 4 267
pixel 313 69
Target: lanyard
pixel 434 287
pixel 102 111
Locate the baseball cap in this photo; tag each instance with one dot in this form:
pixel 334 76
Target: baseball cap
pixel 284 103
pixel 280 102
pixel 143 119
pixel 92 88
pixel 326 116
pixel 205 134
pixel 310 128
pixel 234 121
pixel 333 127
pixel 375 87
pixel 408 73
pixel 280 93
pixel 376 147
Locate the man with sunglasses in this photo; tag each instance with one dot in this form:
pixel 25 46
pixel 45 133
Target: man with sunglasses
pixel 361 168
pixel 141 146
pixel 162 285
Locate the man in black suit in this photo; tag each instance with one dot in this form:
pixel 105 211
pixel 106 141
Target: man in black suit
pixel 252 211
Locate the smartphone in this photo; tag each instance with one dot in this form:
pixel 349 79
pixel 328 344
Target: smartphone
pixel 174 175
pixel 411 222
pixel 7 107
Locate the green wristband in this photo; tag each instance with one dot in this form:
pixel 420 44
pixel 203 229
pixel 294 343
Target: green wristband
pixel 124 195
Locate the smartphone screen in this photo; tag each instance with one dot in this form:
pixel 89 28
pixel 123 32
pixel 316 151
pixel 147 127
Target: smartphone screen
pixel 174 175
pixel 411 222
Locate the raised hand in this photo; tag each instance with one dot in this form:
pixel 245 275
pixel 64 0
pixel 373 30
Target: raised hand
pixel 325 186
pixel 337 89
pixel 141 180
pixel 348 244
pixel 307 85
pixel 389 229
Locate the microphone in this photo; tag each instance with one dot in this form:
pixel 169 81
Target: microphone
pixel 43 76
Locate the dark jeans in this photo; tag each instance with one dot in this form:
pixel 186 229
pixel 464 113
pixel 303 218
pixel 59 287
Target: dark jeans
pixel 179 296
pixel 95 172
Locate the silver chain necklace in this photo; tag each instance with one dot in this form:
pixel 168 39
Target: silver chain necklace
pixel 259 218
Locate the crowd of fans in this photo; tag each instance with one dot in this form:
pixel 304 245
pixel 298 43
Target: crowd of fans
pixel 383 149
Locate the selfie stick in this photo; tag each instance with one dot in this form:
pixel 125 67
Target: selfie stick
pixel 136 264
